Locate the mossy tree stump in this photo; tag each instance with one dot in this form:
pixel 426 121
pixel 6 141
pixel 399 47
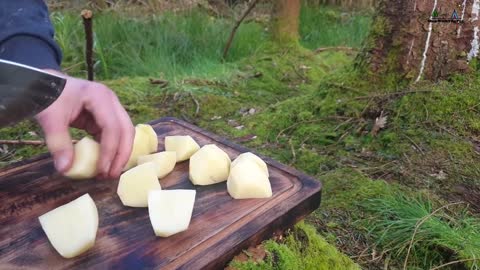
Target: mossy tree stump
pixel 413 40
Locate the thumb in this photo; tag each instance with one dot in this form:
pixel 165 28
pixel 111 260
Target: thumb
pixel 59 144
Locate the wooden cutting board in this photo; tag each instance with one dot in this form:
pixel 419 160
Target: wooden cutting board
pixel 220 227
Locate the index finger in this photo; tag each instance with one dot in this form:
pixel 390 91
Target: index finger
pixel 101 106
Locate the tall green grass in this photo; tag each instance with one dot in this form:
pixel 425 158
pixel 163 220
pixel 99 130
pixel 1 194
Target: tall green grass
pixel 188 43
pixel 325 26
pixel 168 45
pixel 440 234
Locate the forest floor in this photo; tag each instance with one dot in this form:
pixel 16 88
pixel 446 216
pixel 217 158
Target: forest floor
pixel 399 166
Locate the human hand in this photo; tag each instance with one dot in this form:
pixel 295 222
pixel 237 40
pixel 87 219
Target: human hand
pixel 96 109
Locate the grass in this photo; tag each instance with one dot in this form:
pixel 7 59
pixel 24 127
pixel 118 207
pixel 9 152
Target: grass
pixel 316 113
pixel 167 45
pixel 174 47
pixel 329 27
pixel 302 248
pixel 415 226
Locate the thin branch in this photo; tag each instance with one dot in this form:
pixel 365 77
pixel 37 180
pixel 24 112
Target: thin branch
pixel 294 159
pixel 197 109
pixel 26 142
pixel 340 48
pixel 235 28
pixel 419 223
pixel 87 23
pixel 159 82
pixel 415 145
pixel 395 94
pixel 453 262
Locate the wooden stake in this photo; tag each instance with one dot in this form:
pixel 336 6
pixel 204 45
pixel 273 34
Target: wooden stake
pixel 235 28
pixel 87 23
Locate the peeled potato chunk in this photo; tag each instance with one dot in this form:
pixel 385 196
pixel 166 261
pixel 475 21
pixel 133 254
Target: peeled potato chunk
pixel 135 184
pixel 209 165
pixel 86 155
pixel 184 146
pixel 252 157
pixel 170 211
pixel 164 162
pixel 247 181
pixel 72 227
pixel 151 135
pixel 144 143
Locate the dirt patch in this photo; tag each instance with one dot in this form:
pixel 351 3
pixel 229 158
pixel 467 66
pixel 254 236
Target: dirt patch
pixel 469 194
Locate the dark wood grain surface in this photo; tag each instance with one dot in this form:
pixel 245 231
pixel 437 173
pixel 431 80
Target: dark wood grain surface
pixel 220 227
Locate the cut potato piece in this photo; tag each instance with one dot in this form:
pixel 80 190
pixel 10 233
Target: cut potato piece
pixel 86 155
pixel 252 157
pixel 184 146
pixel 143 144
pixel 247 180
pixel 151 135
pixel 164 162
pixel 135 184
pixel 72 228
pixel 209 165
pixel 170 211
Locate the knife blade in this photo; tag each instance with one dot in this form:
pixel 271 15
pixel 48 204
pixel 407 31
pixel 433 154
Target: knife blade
pixel 26 91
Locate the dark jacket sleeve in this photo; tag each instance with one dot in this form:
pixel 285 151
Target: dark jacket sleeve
pixel 27 35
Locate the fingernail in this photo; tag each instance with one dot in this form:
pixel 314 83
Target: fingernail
pixel 61 163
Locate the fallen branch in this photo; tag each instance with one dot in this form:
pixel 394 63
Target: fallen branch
pixel 454 262
pixel 197 109
pixel 27 142
pixel 415 145
pixel 343 87
pixel 87 23
pixel 235 28
pixel 340 48
pixel 294 159
pixel 395 94
pixel 159 82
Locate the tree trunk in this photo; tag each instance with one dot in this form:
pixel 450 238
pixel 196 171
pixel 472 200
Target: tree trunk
pixel 413 40
pixel 285 21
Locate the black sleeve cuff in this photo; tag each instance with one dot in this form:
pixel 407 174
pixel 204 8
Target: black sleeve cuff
pixel 31 51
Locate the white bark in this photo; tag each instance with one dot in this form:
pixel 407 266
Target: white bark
pixel 475 10
pixel 475 45
pixel 427 44
pixel 464 5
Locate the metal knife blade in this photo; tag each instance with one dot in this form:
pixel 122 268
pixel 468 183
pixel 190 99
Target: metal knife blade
pixel 26 91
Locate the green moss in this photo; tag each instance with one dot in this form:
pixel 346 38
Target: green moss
pixel 302 248
pixel 345 188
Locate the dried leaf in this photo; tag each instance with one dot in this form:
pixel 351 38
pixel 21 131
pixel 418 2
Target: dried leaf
pixel 380 123
pixel 441 175
pixel 257 253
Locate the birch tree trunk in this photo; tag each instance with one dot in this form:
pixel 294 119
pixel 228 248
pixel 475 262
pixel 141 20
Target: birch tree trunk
pixel 413 40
